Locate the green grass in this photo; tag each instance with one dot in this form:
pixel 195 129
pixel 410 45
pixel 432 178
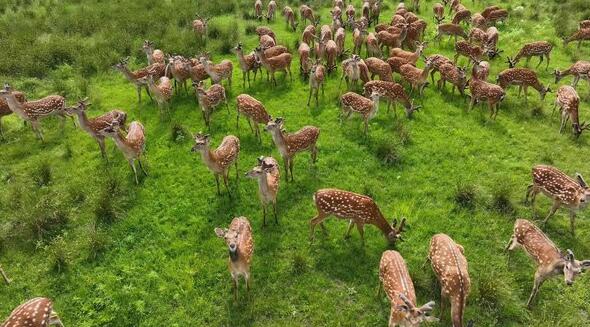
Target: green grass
pixel 111 253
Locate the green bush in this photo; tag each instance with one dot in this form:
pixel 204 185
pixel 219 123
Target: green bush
pixel 59 254
pixel 465 195
pixel 42 175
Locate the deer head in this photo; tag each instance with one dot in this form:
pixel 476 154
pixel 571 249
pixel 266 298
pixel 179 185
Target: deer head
pixel 572 267
pixel 275 125
pixel 231 238
pixel 544 91
pixel 80 106
pixel 147 44
pixel 396 233
pixel 261 169
pixel 414 315
pixel 578 129
pixel 6 90
pixel 122 64
pixel 201 142
pixel 112 128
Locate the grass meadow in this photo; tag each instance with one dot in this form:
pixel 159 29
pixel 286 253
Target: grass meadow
pixel 111 253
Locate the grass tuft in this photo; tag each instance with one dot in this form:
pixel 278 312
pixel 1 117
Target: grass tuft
pixel 42 174
pixel 466 195
pixel 388 154
pixel 299 264
pixel 501 201
pixel 59 254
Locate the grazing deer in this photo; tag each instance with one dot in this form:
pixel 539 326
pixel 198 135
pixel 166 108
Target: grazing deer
pixel 308 35
pixel 275 51
pixel 478 21
pixel 37 312
pixel 331 52
pixel 439 13
pixel 484 91
pixel 4 276
pixel 450 267
pixel 499 15
pixel 248 63
pixel 196 70
pixel 266 41
pixel 5 109
pixel 270 11
pixel 254 112
pixel 462 16
pixel 583 34
pixel 210 99
pixel 351 71
pixel 219 160
pixel 395 20
pixel 491 44
pixel 580 70
pixel 180 72
pixel 388 40
pixel 372 44
pixel 200 26
pixel 268 176
pixel 281 62
pixel 218 72
pixel 336 14
pixel 306 14
pixel 290 144
pixel 258 9
pixel 350 16
pixel 523 77
pixel 304 59
pixel 455 75
pixel 357 209
pixel 351 102
pixel 358 38
pixel 95 126
pixel 538 48
pixel 132 146
pixel 561 188
pixel 290 18
pixel 34 111
pixel 416 77
pixel 153 56
pixel 451 30
pixel 472 52
pixel 161 91
pixel 488 10
pixel 568 102
pixel 549 259
pixel 380 68
pixel 399 288
pixel 325 33
pixel 240 243
pixel 393 92
pixel 410 57
pixel 316 81
pixel 264 30
pixel 375 12
pixel 481 70
pixel 135 77
pixel 340 39
pixel 437 61
pixel 477 36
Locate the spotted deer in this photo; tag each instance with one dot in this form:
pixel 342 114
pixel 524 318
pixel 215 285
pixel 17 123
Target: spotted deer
pixel 210 99
pixel 304 59
pixel 290 144
pixel 95 126
pixel 258 9
pixel 562 189
pixel 580 70
pixel 34 111
pixel 456 75
pixel 477 36
pixel 478 21
pixel 542 49
pixel 350 71
pixel 465 49
pixel 450 29
pixel 483 91
pixel 290 18
pixel 358 38
pixel 380 68
pixel 331 52
pixel 415 34
pixel 372 45
pixel 200 26
pixel 248 63
pixel 340 39
pixel 135 77
pixel 488 10
pixel 306 14
pixel 268 176
pixel 388 40
pixel 350 15
pixel 550 260
pixel 153 56
pixel 523 77
pixel 5 109
pixel 409 56
pixel 358 209
pixel 375 12
pixel 266 41
pixel 161 91
pixel 270 10
pixel 308 35
pixel 218 72
pixel 180 72
pixel 240 244
pixel 393 92
pixel 399 288
pixel 254 112
pixel 416 77
pixel 132 145
pixel 265 30
pixel 196 70
pixel 450 267
pixel 499 15
pixel 316 81
pixel 568 102
pixel 351 102
pixel 437 61
pixel 218 161
pixel 463 15
pixel 281 62
pixel 584 24
pixel 37 312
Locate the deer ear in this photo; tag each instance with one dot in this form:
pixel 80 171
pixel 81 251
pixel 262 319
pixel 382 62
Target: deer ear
pixel 585 264
pixel 570 256
pixel 220 232
pixel 403 308
pixel 581 180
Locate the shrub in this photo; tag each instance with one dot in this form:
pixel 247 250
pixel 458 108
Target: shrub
pixel 98 242
pixel 42 174
pixel 250 29
pixel 106 211
pixel 47 218
pixel 501 201
pixel 179 134
pixel 465 195
pixel 59 254
pixel 298 264
pixel 405 138
pixel 388 154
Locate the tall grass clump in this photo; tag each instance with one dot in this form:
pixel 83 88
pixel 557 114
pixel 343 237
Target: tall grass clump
pixel 59 254
pixel 106 211
pixel 501 201
pixel 47 218
pixel 465 195
pixel 388 153
pixel 42 174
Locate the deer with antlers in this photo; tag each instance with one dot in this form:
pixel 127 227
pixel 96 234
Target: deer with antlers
pixel 542 49
pixel 549 259
pixel 281 62
pixel 568 102
pixel 439 12
pixel 179 71
pixel 5 109
pixel 37 312
pixel 290 18
pixel 562 189
pixel 437 61
pixel 240 243
pixel 358 209
pixel 523 77
pixel 416 77
pixel 34 111
pixel 95 126
pixel 351 102
pixel 380 68
pixel 290 144
pixel 393 92
pixel 268 176
pixel 270 11
pixel 580 70
pixel 456 75
pixel 254 112
pixel 218 161
pixel 316 81
pixel 210 99
pixel 200 26
pixel 153 55
pixel 306 13
pixel 450 267
pixel 248 63
pixel 399 288
pixel 132 145
pixel 450 29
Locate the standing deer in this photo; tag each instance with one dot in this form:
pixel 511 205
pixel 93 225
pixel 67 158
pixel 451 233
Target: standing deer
pixel 380 68
pixel 561 188
pixel 388 40
pixel 306 14
pixel 340 39
pixel 281 62
pixel 218 72
pixel 132 146
pixel 372 44
pixel 331 53
pixel 375 12
pixel 254 112
pixel 358 38
pixel 350 71
pixel 268 176
pixel 37 312
pixel 180 72
pixel 416 77
pixel 437 61
pixel 568 102
pixel 196 70
pixel 161 91
pixel 308 35
pixel 484 91
pixel 219 160
pixel 439 13
pixel 473 52
pixel 290 18
pixel 399 288
pixel 580 70
pixel 258 9
pixel 523 77
pixel 549 259
pixel 34 111
pixel 135 77
pixel 5 109
pixel 393 92
pixel 351 102
pixel 350 15
pixel 451 30
pixel 289 145
pixel 357 209
pixel 539 48
pixel 304 59
pixel 316 81
pixel 210 99
pixel 270 12
pixel 240 243
pixel 200 26
pixel 455 75
pixel 95 126
pixel 248 63
pixel 153 56
pixel 450 267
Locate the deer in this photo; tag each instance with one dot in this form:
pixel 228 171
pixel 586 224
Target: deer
pixel 450 267
pixel 254 112
pixel 561 188
pixel 132 145
pixel 583 34
pixel 584 24
pixel 153 56
pixel 258 9
pixel 240 244
pixel 95 126
pixel 218 72
pixel 135 77
pixel 463 15
pixel 180 72
pixel 410 57
pixel 210 99
pixel 499 15
pixel 34 111
pixel 270 11
pixel 568 102
pixel 358 38
pixel 372 45
pixel 379 67
pixel 218 161
pixel 265 30
pixel 200 26
pixel 4 276
pixel 439 13
pixel 340 38
pixel 465 49
pixel 450 29
pixel 331 52
pixel 478 36
pixel 550 260
pixel 268 176
pixel 416 77
pixel 375 12
pixel 484 91
pixel 523 77
pixel 351 102
pixel 37 312
pixel 290 18
pixel 161 91
pixel 455 75
pixel 580 70
pixel 415 34
pixel 479 21
pixel 538 48
pixel 304 59
pixel 325 33
pixel 308 35
pixel 290 144
pixel 488 10
pixel 491 44
pixel 437 61
pixel 388 40
pixel 248 63
pixel 336 14
pixel 5 109
pixel 316 81
pixel 350 71
pixel 358 209
pixel 266 41
pixel 395 20
pixel 306 14
pixel 399 288
pixel 350 15
pixel 281 62
pixel 393 92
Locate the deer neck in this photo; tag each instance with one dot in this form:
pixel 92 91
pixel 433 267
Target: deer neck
pixel 129 74
pixel 241 58
pixel 279 138
pixel 263 184
pixel 149 53
pixel 16 106
pixel 425 72
pixel 84 122
pixel 121 142
pixel 375 108
pixel 208 156
pixel 382 224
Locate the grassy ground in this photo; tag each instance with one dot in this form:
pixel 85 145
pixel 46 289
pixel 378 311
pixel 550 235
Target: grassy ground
pixel 110 253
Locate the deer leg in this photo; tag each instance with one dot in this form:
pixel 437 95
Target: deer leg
pixel 361 230
pixel 540 61
pixel 349 229
pixel 257 132
pixel 1 130
pixel 247 279
pixel 101 145
pixel 573 222
pixel 442 302
pixel 309 97
pixel 234 279
pixel 225 182
pixel 141 167
pixel 314 154
pixel 554 208
pixel 519 90
pixel 291 169
pixel 263 215
pixel 564 117
pixel 250 124
pixel 575 81
pixel 37 129
pixel 4 276
pixel 217 183
pixel 55 320
pixel 539 279
pixel 286 163
pixel 318 219
pixel 132 165
pixel 317 94
pixel 274 209
pixel 237 173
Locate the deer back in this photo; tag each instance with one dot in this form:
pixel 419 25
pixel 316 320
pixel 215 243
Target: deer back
pixel 557 185
pixel 245 239
pixel 252 108
pixel 46 106
pixel 228 151
pixel 356 102
pixel 36 312
pixel 536 243
pixel 395 278
pixel 348 205
pixel 302 140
